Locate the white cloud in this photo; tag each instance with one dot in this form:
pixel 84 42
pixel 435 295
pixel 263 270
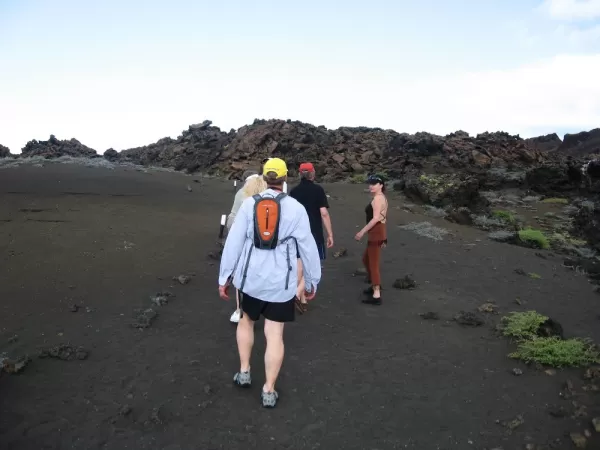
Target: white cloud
pixel 572 9
pixel 125 110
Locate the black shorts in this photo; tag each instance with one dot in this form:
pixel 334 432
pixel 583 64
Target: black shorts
pixel 276 312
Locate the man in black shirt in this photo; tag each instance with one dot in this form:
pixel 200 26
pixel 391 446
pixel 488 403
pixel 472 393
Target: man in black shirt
pixel 313 198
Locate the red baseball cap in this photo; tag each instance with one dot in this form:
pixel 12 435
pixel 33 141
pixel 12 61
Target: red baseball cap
pixel 307 167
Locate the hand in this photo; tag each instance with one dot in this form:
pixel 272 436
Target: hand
pixel 223 291
pixel 329 241
pixel 359 235
pixel 310 295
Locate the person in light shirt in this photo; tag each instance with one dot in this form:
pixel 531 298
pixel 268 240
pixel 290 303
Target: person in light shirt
pixel 254 184
pixel 268 278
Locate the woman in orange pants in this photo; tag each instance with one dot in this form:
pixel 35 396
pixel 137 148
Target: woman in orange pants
pixel 376 232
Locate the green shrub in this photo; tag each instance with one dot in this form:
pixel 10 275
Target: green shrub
pixel 534 238
pixel 556 352
pixel 358 178
pixel 505 216
pixel 522 325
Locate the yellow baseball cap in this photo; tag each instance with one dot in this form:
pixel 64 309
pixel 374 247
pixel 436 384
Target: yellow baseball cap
pixel 275 165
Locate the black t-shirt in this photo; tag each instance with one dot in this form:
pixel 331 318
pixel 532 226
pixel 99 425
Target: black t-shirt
pixel 313 198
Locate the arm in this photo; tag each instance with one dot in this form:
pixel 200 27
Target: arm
pixel 377 208
pixel 327 222
pixel 235 242
pixel 324 209
pixel 309 254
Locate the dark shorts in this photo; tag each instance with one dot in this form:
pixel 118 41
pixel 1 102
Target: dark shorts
pixel 276 312
pixel 320 247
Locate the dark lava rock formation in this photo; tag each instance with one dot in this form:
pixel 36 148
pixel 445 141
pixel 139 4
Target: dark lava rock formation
pixel 54 148
pixel 4 151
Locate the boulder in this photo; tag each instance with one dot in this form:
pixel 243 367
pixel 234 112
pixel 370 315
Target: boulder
pixel 111 154
pixel 446 190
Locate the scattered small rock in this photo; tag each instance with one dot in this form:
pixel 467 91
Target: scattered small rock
pixel 596 423
pixel 592 373
pixel 468 319
pixel 514 424
pixel 125 410
pixel 144 318
pixel 502 236
pixel 189 188
pixel 550 328
pixel 568 390
pixel 541 255
pixel 558 412
pixel 587 433
pixel 161 298
pixel 157 416
pixel 550 372
pixel 517 372
pixel 407 282
pixel 14 366
pixel 520 272
pixel 339 254
pixel 579 411
pixel 13 339
pixel 488 308
pixel 65 352
pixel 579 440
pixel 74 308
pixel 207 389
pixel 183 279
pixel 430 316
pixel 362 272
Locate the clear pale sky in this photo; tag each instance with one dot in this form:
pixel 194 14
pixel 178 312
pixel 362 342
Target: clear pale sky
pixel 127 73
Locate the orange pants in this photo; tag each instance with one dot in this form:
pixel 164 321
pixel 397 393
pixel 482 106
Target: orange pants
pixel 370 260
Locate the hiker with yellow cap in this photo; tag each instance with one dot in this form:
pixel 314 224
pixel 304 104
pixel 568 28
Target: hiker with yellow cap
pixel 259 259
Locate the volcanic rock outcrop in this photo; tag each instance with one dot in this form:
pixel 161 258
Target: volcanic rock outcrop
pixel 54 148
pixel 581 144
pixel 4 151
pixel 198 148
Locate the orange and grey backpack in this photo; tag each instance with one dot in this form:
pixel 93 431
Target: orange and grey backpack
pixel 267 211
pixel 267 214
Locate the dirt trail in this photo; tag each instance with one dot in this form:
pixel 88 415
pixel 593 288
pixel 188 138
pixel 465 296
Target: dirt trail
pixel 83 250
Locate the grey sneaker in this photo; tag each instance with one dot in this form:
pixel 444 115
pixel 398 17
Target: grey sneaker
pixel 269 399
pixel 243 379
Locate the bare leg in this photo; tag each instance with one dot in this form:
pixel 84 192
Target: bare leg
pixel 237 299
pixel 245 341
pixel 273 354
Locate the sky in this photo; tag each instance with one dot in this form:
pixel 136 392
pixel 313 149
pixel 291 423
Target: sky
pixel 125 73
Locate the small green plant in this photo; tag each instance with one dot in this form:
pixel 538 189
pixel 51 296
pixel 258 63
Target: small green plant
pixel 522 325
pixel 556 352
pixel 556 201
pixel 534 275
pixel 505 216
pixel 358 178
pixel 534 238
